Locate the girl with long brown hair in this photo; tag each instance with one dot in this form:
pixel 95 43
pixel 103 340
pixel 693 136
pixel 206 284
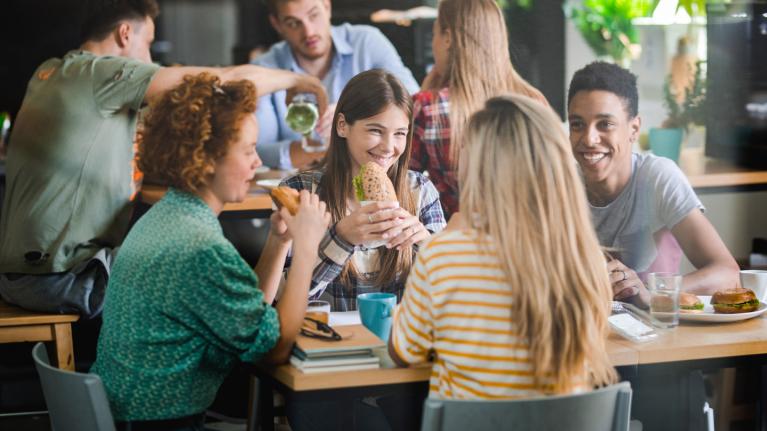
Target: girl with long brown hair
pixel 515 304
pixel 471 64
pixel 371 124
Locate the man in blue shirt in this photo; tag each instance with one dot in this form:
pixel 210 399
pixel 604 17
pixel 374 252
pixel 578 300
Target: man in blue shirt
pixel 334 54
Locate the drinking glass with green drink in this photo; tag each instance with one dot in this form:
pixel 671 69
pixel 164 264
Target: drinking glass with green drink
pixel 302 117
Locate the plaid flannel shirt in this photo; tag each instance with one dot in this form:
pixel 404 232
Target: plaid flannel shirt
pixel 431 145
pixel 334 252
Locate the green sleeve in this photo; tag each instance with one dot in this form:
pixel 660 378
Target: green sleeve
pixel 224 304
pixel 120 83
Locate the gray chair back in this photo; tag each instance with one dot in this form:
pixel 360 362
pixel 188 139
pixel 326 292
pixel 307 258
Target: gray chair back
pixel 76 401
pixel 605 409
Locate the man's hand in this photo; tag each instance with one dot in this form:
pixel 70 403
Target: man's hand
pixel 325 124
pixel 626 284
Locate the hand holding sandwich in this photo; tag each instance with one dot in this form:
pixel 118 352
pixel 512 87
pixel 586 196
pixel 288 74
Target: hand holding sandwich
pixel 369 223
pixel 309 223
pixel 626 284
pixel 379 218
pixel 412 231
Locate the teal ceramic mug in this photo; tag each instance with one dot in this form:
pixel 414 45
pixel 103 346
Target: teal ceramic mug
pixel 376 311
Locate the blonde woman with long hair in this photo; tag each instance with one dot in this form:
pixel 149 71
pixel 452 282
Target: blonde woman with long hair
pixel 471 65
pixel 516 305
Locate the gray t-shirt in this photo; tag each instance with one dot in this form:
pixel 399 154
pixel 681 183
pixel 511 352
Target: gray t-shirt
pixel 637 225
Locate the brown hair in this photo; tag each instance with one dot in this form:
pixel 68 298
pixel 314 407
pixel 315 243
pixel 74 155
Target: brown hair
pixel 542 230
pixel 190 127
pixel 105 15
pixel 478 62
pixel 364 96
pixel 272 5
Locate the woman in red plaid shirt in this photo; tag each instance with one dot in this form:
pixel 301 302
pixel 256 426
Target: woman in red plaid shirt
pixel 471 64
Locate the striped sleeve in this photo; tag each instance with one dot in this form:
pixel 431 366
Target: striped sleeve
pixel 413 332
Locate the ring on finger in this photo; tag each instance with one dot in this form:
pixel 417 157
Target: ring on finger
pixel 370 219
pixel 624 275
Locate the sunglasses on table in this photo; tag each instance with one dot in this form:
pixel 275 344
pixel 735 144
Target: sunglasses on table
pixel 314 328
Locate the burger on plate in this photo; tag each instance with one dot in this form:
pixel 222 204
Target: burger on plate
pixel 737 300
pixel 689 303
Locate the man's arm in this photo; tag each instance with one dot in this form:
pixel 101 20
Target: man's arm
pixel 266 80
pixel 716 268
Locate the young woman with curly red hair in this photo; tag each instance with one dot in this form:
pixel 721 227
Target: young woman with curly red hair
pixel 182 306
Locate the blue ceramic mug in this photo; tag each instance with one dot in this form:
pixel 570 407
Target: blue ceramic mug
pixel 376 310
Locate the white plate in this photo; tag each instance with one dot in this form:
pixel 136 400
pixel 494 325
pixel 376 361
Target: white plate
pixel 269 184
pixel 263 169
pixel 708 314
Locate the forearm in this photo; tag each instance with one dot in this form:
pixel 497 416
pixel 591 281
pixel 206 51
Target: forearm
pixel 709 279
pixel 270 265
pixel 292 305
pixel 300 158
pixel 267 80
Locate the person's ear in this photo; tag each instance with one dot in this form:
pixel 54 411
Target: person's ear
pixel 448 38
pixel 635 125
pixel 275 23
pixel 123 34
pixel 342 129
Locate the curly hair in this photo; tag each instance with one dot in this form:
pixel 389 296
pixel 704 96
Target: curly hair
pixel 104 15
pixel 190 127
pixel 607 77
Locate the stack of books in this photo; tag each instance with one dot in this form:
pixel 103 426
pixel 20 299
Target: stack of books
pixel 356 351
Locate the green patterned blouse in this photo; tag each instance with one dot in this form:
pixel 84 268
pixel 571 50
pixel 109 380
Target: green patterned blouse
pixel 181 307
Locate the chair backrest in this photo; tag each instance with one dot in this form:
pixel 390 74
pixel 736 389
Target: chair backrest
pixel 605 409
pixel 76 401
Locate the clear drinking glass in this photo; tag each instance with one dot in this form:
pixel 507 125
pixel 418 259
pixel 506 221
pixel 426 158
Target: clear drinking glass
pixel 302 117
pixel 664 298
pixel 318 310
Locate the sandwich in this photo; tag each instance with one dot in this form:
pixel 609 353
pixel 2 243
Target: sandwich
pixel 372 184
pixel 286 197
pixel 737 300
pixel 689 303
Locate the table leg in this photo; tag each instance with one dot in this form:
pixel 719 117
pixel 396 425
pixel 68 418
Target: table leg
pixel 265 402
pixel 63 342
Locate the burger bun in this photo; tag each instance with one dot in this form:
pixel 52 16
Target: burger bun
pixel 286 197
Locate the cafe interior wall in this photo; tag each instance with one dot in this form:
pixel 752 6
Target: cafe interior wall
pixel 738 216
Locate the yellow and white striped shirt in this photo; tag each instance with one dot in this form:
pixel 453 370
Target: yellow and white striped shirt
pixel 457 306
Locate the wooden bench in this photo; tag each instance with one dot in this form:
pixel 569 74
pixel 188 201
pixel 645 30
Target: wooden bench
pixel 18 325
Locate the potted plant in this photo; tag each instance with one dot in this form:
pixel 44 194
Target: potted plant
pixel 683 112
pixel 607 26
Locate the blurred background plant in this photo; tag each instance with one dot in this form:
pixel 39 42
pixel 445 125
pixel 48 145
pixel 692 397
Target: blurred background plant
pixel 607 25
pixel 524 4
pixel 690 109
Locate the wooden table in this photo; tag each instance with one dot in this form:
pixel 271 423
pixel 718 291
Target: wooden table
pixel 18 325
pixel 706 173
pixel 257 204
pixel 687 347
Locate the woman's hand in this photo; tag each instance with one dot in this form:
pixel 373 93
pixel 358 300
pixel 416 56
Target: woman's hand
pixel 368 223
pixel 409 232
pixel 279 229
pixel 309 224
pixel 626 284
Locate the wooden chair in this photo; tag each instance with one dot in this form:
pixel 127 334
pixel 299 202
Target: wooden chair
pixel 18 325
pixel 605 409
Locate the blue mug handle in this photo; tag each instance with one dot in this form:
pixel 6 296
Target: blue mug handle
pixel 386 311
